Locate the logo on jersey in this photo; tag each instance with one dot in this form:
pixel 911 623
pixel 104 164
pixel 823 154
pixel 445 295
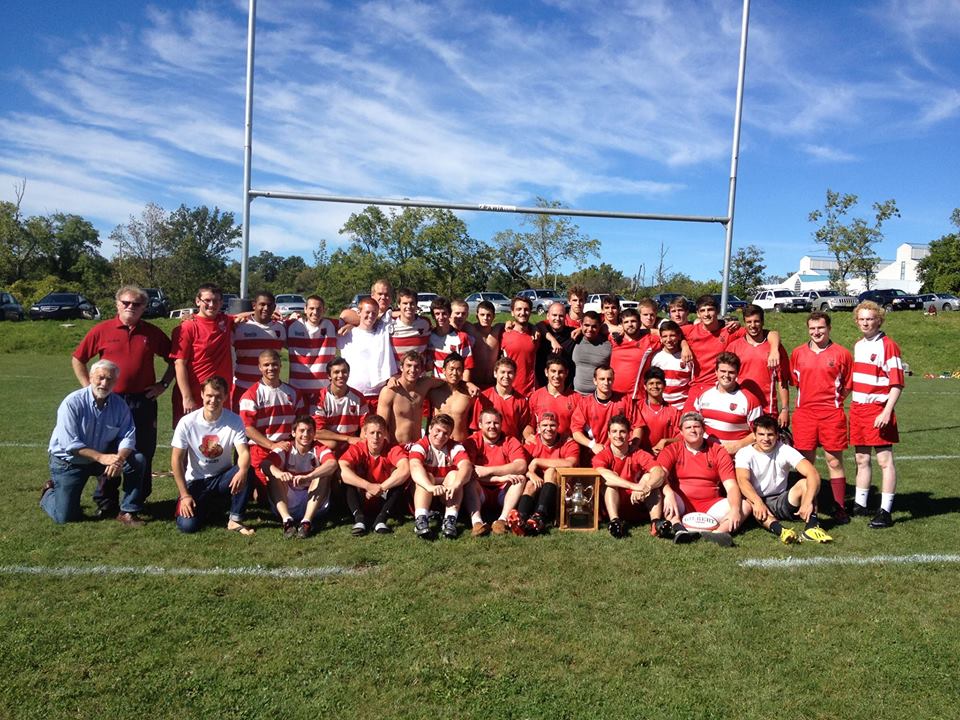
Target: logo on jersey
pixel 733 406
pixel 210 446
pixel 873 357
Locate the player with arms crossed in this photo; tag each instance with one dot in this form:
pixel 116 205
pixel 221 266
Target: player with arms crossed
pixel 763 474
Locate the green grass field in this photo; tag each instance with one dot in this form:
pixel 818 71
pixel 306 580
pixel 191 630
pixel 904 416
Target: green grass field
pixel 567 625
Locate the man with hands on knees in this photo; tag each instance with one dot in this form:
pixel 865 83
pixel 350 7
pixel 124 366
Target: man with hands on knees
pixel 439 467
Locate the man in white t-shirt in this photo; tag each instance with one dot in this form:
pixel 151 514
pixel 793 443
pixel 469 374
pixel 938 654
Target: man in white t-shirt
pixel 763 474
pixel 367 348
pixel 202 460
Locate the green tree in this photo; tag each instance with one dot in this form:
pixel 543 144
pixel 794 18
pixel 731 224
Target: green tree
pixel 197 242
pixel 72 248
pixel 851 244
pixel 940 270
pixel 22 240
pixel 746 271
pixel 142 248
pixel 600 278
pixel 550 240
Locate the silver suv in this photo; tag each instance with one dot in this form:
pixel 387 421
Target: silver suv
pixel 829 300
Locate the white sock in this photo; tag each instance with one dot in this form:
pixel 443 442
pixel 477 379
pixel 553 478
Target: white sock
pixel 452 512
pixel 420 512
pixel 886 501
pixel 503 517
pixel 475 518
pixel 861 496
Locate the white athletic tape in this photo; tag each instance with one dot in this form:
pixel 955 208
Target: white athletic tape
pixel 155 570
pixel 791 563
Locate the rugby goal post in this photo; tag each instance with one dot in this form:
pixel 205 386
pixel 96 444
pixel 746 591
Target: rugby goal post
pixel 249 193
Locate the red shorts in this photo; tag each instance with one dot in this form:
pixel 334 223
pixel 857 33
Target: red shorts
pixel 492 495
pixel 862 431
pixel 633 514
pixel 813 428
pixel 697 504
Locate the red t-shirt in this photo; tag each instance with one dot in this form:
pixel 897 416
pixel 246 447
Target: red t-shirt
pixel 698 475
pixel 130 349
pixel 205 347
pixel 756 377
pixel 662 421
pixel 629 360
pixel 563 448
pixel 562 405
pixel 522 349
pixel 630 468
pixel 706 346
pixel 821 378
pixel 514 409
pixel 592 416
pixel 503 452
pixel 375 469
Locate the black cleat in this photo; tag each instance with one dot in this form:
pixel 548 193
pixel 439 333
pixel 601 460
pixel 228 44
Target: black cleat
pixel 722 539
pixel 449 527
pixel 682 536
pixel 289 529
pixel 421 526
pixel 617 528
pixel 661 529
pixel 859 510
pixel 881 520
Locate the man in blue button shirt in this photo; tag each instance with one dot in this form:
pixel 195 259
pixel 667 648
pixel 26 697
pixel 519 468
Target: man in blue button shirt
pixel 94 435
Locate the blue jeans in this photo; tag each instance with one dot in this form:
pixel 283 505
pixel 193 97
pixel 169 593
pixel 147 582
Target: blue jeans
pixel 62 501
pixel 206 490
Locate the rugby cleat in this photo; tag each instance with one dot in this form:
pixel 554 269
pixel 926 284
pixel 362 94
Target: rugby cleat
pixel 449 527
pixel 859 510
pixel 421 527
pixel 303 532
pixel 881 520
pixel 661 529
pixel 815 534
pixel 535 524
pixel 617 528
pixel 289 529
pixel 515 523
pixel 788 536
pixel 682 536
pixel 359 529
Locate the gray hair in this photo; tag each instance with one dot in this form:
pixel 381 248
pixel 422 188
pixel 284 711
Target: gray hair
pixel 132 290
pixel 691 417
pixel 105 365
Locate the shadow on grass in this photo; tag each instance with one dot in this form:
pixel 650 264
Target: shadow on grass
pixel 922 505
pixel 916 430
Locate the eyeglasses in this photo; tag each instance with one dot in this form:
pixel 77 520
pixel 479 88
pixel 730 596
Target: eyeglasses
pixel 131 303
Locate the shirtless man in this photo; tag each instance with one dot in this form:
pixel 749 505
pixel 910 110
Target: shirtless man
pixel 453 398
pixel 460 315
pixel 576 299
pixel 401 402
pixel 486 345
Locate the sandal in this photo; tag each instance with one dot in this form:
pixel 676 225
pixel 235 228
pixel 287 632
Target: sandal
pixel 234 526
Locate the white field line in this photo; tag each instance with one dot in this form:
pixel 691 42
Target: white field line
pixel 792 563
pixel 157 571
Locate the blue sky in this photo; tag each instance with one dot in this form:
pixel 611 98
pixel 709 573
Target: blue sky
pixel 109 105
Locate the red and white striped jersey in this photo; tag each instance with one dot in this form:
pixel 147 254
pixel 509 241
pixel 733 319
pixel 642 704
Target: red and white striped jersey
pixel 404 337
pixel 438 463
pixel 727 416
pixel 340 414
pixel 876 368
pixel 271 410
pixel 311 347
pixel 678 378
pixel 302 463
pixel 443 345
pixel 250 338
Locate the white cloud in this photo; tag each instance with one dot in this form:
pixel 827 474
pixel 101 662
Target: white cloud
pixel 827 154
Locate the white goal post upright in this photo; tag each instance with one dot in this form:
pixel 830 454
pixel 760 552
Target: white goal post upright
pixel 249 193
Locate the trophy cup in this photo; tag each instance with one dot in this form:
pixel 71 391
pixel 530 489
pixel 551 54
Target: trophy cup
pixel 579 492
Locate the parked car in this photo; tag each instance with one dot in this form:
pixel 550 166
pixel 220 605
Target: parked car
pixel 182 312
pixel 290 303
pixel 424 301
pixel 664 299
pixel 891 299
pixel 542 298
pixel 64 306
pixel 595 302
pixel 158 305
pixel 501 303
pixel 10 307
pixel 733 302
pixel 781 301
pixel 829 300
pixel 940 301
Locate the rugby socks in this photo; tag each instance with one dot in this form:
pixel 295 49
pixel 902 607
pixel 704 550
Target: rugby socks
pixel 548 500
pixel 838 486
pixel 814 521
pixel 886 501
pixel 862 495
pixel 420 512
pixel 775 528
pixel 525 506
pixel 452 512
pixel 475 518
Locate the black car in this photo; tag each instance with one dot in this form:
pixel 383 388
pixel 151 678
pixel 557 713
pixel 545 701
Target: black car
pixel 157 303
pixel 892 299
pixel 733 302
pixel 664 299
pixel 10 307
pixel 63 306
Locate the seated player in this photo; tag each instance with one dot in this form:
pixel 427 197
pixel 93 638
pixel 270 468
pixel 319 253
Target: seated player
pixel 300 478
pixel 374 475
pixel 453 398
pixel 202 461
pixel 439 467
pixel 661 420
pixel 505 399
pixel 592 415
pixel 555 397
pixel 548 450
pixel 727 409
pixel 763 472
pixel 678 372
pixel 499 471
pixel 338 409
pixel 694 474
pixel 622 471
pixel 268 408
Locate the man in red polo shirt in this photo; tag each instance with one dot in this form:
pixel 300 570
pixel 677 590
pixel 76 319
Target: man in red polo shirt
pixel 661 420
pixel 519 341
pixel 592 416
pixel 201 348
pixel 131 344
pixel 548 450
pixel 630 354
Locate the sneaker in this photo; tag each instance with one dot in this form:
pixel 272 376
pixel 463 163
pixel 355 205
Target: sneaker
pixel 815 534
pixel 289 528
pixel 516 523
pixel 723 539
pixel 499 527
pixel 617 528
pixel 449 527
pixel 303 532
pixel 682 536
pixel 359 529
pixel 881 520
pixel 535 524
pixel 661 529
pixel 859 510
pixel 789 537
pixel 131 520
pixel 421 526
pixel 480 529
pixel 381 528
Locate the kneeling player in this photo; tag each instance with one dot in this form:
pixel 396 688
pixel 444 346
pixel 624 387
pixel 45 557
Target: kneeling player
pixel 548 451
pixel 300 478
pixel 374 475
pixel 763 476
pixel 623 472
pixel 440 467
pixel 499 468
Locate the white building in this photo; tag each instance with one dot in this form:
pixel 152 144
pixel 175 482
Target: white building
pixel 814 272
